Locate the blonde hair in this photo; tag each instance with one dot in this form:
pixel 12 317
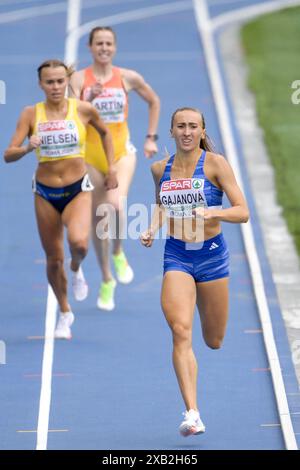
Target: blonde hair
pixel 53 63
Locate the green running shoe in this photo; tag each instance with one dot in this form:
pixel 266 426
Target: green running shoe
pixel 106 295
pixel 123 270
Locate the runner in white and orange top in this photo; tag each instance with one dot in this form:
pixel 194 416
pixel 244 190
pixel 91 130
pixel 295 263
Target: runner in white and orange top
pixel 107 87
pixel 112 106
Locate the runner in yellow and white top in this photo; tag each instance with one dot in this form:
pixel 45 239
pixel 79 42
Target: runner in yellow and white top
pixel 107 87
pixel 56 130
pixel 59 139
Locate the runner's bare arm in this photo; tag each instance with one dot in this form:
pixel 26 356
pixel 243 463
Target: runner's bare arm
pixel 94 119
pixel 135 81
pixel 16 150
pixel 238 212
pixel 159 216
pixel 75 84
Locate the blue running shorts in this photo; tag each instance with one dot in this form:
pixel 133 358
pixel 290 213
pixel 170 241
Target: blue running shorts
pixel 59 198
pixel 204 261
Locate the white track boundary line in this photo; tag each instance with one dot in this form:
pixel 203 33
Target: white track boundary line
pixel 206 31
pixel 73 19
pixel 46 381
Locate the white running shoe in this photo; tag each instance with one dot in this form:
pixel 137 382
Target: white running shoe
pixel 192 424
pixel 80 287
pixel 63 330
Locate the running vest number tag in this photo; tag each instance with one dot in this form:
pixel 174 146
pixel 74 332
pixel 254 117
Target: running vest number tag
pixel 58 138
pixel 180 197
pixel 111 105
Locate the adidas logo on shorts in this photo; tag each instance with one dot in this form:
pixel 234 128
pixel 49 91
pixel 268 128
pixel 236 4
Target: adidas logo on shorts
pixel 213 246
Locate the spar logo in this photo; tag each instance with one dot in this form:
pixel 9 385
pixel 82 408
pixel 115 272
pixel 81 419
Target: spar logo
pixel 108 92
pixel 182 185
pixel 177 185
pixel 51 126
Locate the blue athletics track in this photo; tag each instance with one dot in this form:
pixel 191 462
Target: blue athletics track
pixel 112 386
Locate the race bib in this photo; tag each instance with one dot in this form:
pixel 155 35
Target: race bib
pixel 111 105
pixel 58 138
pixel 180 197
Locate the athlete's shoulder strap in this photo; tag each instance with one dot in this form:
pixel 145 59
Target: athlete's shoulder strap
pixel 40 112
pixel 167 171
pixel 88 74
pixel 72 108
pixel 199 172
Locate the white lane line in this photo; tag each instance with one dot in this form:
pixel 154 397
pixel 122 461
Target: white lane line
pixel 73 18
pixel 96 3
pixel 222 3
pixel 44 10
pixel 26 13
pixel 14 2
pixel 133 15
pixel 206 31
pixel 25 431
pixel 45 395
pixel 249 12
pixel 271 425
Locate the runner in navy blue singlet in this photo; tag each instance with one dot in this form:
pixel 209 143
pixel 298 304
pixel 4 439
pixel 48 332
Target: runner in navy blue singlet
pixel 189 191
